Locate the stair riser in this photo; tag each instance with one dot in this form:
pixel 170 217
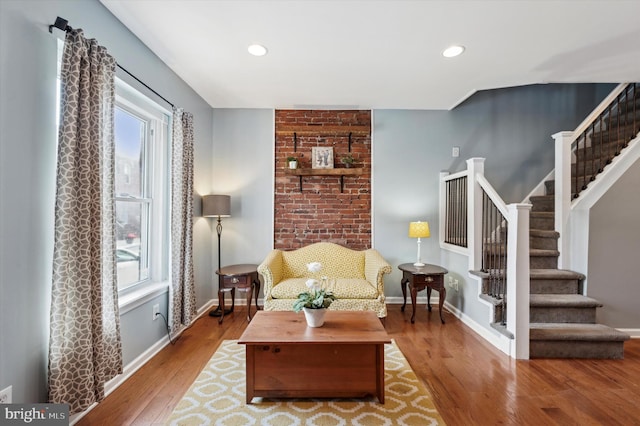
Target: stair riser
pixel 546 286
pixel 542 204
pixel 544 223
pixel 543 243
pixel 576 349
pixel 562 315
pixel 543 262
pixel 549 187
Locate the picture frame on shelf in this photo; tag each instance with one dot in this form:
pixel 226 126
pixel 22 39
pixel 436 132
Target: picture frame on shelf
pixel 322 157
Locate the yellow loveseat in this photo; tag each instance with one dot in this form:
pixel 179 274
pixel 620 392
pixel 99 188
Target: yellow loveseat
pixel 354 277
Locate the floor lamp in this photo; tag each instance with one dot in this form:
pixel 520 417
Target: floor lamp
pixel 217 206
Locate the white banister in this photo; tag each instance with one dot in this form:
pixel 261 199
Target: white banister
pixel 475 167
pixel 493 195
pixel 518 278
pixel 517 275
pixel 562 199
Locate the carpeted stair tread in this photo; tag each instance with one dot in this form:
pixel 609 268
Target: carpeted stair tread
pixel 563 301
pixel 569 331
pixel 542 214
pixel 550 274
pixel 543 252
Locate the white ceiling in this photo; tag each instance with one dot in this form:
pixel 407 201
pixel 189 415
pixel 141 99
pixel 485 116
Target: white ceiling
pixel 381 54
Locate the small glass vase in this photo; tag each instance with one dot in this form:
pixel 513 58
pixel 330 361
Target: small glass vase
pixel 314 317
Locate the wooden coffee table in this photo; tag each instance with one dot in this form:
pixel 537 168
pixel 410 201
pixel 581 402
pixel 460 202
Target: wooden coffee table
pixel 342 359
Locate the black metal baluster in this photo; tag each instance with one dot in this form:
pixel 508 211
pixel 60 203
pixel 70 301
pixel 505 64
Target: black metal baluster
pixel 465 202
pixel 484 232
pixel 455 211
pixel 593 151
pixel 504 300
pixel 447 223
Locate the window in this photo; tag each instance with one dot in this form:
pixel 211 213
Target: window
pixel 141 189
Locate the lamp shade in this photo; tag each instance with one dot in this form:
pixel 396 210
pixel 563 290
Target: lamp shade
pixel 216 205
pixel 419 230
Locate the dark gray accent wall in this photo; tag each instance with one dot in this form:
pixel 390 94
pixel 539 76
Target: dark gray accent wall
pixel 27 179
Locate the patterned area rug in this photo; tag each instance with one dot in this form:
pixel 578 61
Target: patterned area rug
pixel 217 397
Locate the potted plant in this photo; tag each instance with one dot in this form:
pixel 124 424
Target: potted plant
pixel 315 301
pixel 293 162
pixel 347 160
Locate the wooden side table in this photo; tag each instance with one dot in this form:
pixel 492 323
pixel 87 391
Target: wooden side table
pixel 419 278
pixel 242 277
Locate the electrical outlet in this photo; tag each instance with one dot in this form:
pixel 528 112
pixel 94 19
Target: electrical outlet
pixel 450 281
pixel 456 285
pixel 455 152
pixel 156 311
pixel 5 395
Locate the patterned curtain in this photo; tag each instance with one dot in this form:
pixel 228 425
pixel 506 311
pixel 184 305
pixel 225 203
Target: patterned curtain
pixel 84 349
pixel 182 295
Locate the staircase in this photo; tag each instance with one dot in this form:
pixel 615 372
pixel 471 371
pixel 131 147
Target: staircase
pixel 563 321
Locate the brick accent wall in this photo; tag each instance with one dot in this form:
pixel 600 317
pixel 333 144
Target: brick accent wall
pixel 320 212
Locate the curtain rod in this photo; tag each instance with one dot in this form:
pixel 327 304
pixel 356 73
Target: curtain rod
pixel 63 24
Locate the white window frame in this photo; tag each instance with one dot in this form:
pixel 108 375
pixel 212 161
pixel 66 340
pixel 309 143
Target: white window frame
pixel 158 167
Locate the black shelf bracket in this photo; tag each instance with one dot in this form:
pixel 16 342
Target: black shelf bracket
pixel 350 141
pixel 295 142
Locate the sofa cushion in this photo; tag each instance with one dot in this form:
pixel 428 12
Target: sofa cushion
pixel 337 261
pixel 342 288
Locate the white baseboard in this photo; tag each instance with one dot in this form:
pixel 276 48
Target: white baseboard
pixel 498 340
pixel 633 332
pixel 137 363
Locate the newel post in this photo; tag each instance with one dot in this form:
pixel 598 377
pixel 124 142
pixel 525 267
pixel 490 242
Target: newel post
pixel 475 166
pixel 443 207
pixel 518 278
pixel 563 141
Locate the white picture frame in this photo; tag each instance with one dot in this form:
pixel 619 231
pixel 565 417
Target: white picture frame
pixel 322 157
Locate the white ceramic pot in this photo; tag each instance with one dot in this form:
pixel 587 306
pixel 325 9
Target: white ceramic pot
pixel 293 164
pixel 315 317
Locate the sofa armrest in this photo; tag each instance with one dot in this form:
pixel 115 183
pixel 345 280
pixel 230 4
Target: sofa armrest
pixel 374 269
pixel 271 271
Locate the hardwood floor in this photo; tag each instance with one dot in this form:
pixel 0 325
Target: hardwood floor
pixel 472 383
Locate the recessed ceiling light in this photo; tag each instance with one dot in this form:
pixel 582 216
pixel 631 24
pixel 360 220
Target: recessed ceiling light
pixel 257 50
pixel 452 51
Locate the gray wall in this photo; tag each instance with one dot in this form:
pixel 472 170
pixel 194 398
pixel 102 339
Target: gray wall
pixel 243 152
pixel 614 251
pixel 27 179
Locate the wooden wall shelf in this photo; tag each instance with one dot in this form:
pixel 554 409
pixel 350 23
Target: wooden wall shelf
pixel 342 172
pixel 283 129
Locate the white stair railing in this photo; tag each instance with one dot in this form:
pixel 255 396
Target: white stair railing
pixel 572 214
pixel 517 262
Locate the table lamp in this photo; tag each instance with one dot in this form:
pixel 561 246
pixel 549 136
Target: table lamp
pixel 217 206
pixel 419 230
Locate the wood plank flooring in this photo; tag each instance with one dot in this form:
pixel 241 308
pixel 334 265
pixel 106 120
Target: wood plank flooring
pixel 472 383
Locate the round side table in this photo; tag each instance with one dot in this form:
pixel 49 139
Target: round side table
pixel 242 277
pixel 421 277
